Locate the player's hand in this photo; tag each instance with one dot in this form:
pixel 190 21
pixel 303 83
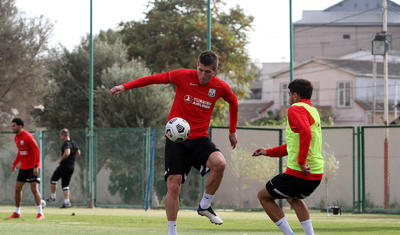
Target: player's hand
pixel 305 169
pixel 259 151
pixel 117 90
pixel 35 171
pixel 233 139
pixel 13 168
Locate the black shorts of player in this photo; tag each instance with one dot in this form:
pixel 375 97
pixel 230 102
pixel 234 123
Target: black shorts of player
pixel 288 186
pixel 63 172
pixel 26 175
pixel 181 157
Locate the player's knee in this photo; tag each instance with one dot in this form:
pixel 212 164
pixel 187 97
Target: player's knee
pixel 219 164
pixel 34 190
pixel 292 201
pixel 174 184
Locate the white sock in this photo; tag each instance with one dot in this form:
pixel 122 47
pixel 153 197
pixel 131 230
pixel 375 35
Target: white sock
pixel 284 226
pixel 66 201
pixel 39 209
pixel 53 196
pixel 172 228
pixel 205 202
pixel 18 210
pixel 307 227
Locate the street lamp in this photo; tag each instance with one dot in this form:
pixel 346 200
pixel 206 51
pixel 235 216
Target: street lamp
pixel 380 44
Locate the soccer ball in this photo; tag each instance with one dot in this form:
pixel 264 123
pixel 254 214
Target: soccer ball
pixel 43 202
pixel 177 129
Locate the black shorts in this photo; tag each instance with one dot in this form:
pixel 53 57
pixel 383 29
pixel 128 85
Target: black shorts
pixel 288 186
pixel 26 175
pixel 180 157
pixel 65 174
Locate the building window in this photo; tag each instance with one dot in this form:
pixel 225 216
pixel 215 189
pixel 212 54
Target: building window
pixel 284 94
pixel 344 95
pixel 346 36
pixel 254 94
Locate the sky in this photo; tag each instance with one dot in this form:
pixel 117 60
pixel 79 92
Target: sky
pixel 268 41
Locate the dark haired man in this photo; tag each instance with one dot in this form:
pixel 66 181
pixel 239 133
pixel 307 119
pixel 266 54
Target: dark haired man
pixel 195 97
pixel 305 165
pixel 69 150
pixel 29 156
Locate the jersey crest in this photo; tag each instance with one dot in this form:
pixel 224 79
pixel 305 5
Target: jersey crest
pixel 211 92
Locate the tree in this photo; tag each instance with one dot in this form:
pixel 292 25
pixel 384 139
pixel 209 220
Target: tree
pixel 173 34
pixel 249 169
pixel 67 104
pixel 331 165
pixel 23 45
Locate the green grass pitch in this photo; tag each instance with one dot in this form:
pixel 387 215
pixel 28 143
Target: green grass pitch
pixel 137 221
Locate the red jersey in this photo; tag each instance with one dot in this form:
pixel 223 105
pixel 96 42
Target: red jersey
pixel 193 102
pixel 300 121
pixel 28 151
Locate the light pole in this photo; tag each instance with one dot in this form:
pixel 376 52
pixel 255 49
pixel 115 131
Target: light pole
pixel 90 134
pixel 380 46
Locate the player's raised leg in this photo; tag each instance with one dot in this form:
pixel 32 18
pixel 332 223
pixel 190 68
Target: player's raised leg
pixel 216 163
pixel 172 201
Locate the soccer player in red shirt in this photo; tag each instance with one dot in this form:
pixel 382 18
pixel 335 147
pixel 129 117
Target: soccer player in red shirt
pixel 195 97
pixel 29 156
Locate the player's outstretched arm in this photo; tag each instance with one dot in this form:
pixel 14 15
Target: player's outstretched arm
pixel 117 90
pixel 260 151
pixel 233 139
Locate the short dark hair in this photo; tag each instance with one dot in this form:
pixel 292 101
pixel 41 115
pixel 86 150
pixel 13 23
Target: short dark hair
pixel 18 121
pixel 64 132
pixel 302 87
pixel 208 58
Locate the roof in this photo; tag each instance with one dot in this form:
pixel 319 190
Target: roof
pixel 250 111
pixel 362 5
pixel 351 13
pixel 358 68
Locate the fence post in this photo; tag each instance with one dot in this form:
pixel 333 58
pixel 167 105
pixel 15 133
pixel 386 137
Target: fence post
pixel 39 138
pixel 359 169
pixel 280 162
pixel 363 200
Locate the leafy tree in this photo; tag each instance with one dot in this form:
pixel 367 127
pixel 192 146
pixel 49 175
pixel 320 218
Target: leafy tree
pixel 173 34
pixel 67 106
pixel 23 44
pixel 142 107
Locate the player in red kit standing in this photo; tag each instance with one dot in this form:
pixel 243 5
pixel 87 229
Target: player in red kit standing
pixel 195 97
pixel 29 157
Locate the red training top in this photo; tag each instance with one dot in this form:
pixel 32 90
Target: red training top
pixel 28 151
pixel 300 121
pixel 193 102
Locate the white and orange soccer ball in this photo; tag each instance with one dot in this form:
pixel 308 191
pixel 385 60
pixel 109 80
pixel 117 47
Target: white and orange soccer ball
pixel 177 129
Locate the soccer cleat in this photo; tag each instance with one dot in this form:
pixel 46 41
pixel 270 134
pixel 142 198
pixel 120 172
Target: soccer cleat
pixel 14 215
pixel 66 205
pixel 39 216
pixel 209 213
pixel 49 199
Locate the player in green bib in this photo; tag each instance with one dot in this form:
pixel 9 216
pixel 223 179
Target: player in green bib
pixel 305 165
